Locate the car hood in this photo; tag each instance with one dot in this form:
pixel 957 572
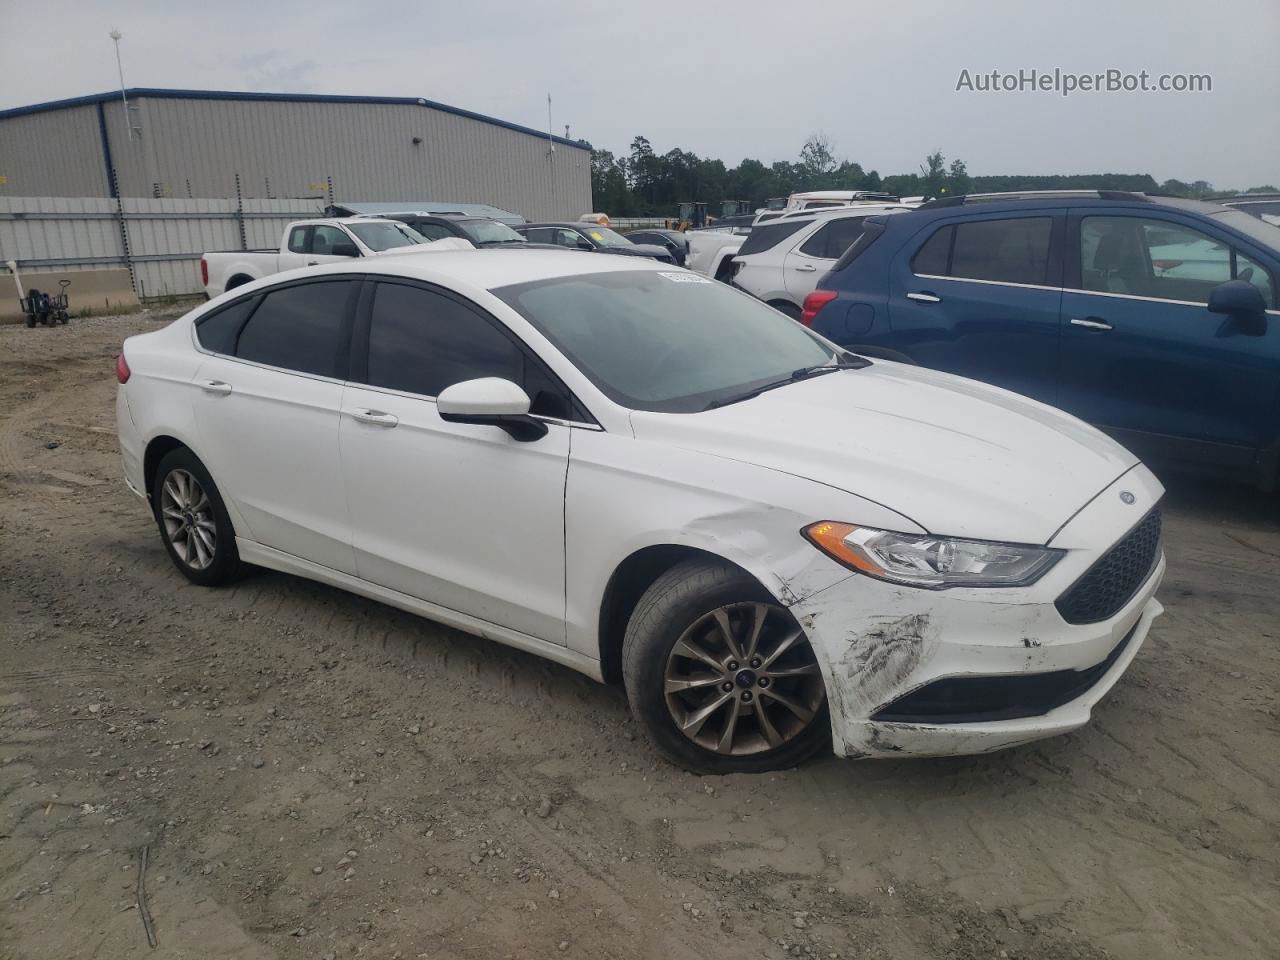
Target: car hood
pixel 955 456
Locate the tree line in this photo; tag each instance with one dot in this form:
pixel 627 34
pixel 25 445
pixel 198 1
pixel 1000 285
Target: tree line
pixel 645 183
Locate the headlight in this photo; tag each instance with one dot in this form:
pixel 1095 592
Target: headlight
pixel 920 560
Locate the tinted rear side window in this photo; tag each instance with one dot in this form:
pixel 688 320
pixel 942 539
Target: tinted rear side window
pixel 834 238
pixel 872 228
pixel 219 330
pixel 1009 251
pixel 299 328
pixel 298 239
pixel 770 235
pixel 931 259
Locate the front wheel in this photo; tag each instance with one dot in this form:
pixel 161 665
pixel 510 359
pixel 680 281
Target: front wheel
pixel 720 675
pixel 193 520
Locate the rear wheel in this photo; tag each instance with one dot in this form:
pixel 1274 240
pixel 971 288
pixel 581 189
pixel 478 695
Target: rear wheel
pixel 720 675
pixel 193 520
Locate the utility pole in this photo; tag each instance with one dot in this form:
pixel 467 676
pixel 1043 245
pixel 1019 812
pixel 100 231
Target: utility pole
pixel 128 117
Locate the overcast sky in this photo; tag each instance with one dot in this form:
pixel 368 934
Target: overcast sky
pixel 722 79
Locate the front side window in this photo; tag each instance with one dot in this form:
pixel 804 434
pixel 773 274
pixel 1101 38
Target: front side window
pixel 1161 259
pixel 568 238
pixel 299 327
pixel 326 239
pixel 834 238
pixel 1006 251
pixel 767 237
pixel 421 341
pixel 666 341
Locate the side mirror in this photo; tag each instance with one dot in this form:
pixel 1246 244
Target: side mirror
pixel 347 249
pixel 491 401
pixel 1243 303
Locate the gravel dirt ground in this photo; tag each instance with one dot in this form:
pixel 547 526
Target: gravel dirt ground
pixel 314 775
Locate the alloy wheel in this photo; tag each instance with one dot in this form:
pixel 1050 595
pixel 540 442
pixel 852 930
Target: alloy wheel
pixel 743 680
pixel 188 519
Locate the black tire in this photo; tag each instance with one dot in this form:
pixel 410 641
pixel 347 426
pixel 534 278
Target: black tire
pixel 30 321
pixel 224 564
pixel 676 601
pixel 790 309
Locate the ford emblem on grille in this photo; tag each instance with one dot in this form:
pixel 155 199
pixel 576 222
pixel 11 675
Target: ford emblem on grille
pixel 1127 497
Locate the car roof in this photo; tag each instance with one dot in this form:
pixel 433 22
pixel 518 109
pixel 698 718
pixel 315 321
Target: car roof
pixel 1067 198
pixel 490 269
pixel 560 223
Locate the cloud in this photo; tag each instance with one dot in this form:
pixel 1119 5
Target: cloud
pixel 720 78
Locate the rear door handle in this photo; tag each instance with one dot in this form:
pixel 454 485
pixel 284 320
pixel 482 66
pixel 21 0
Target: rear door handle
pixel 375 417
pixel 806 268
pixel 312 263
pixel 924 297
pixel 1091 324
pixel 215 386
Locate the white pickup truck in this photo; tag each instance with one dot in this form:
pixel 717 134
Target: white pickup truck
pixel 306 243
pixel 711 250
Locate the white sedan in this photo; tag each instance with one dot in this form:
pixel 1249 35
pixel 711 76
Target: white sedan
pixel 656 480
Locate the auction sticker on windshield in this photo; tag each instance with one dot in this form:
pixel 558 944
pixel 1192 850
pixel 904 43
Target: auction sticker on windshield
pixel 684 277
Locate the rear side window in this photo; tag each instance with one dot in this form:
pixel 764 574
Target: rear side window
pixel 872 228
pixel 834 238
pixel 931 259
pixel 299 328
pixel 298 239
pixel 421 341
pixel 218 331
pixel 1008 251
pixel 768 236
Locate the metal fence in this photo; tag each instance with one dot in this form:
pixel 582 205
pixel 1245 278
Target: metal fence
pixel 159 241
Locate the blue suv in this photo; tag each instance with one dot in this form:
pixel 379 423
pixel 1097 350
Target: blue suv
pixel 1154 318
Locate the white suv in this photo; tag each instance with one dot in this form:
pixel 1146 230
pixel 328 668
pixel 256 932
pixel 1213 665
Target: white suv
pixel 781 262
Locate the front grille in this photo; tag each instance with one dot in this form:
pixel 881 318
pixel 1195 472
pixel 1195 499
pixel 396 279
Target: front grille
pixel 1111 582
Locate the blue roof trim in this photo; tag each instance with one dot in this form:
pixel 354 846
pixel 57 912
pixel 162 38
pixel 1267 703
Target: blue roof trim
pixel 165 94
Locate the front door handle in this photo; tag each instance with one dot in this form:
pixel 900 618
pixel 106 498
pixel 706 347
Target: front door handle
pixel 1091 324
pixel 924 297
pixel 312 263
pixel 218 387
pixel 375 417
pixel 805 268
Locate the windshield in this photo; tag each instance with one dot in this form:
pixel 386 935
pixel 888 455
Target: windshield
pixel 491 231
pixel 605 237
pixel 1264 233
pixel 666 341
pixel 379 236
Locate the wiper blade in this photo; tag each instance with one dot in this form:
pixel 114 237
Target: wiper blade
pixel 845 361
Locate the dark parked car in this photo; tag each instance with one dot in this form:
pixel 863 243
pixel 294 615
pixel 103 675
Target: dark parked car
pixel 1154 318
pixel 590 236
pixel 677 243
pixel 481 231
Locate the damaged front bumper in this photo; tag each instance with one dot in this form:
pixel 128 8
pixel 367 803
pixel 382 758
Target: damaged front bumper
pixel 913 672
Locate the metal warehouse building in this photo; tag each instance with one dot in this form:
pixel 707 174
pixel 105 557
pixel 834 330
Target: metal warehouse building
pixel 193 143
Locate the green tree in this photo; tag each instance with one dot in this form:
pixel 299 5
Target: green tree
pixel 817 161
pixel 958 181
pixel 934 175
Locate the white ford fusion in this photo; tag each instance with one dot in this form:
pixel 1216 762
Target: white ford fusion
pixel 655 479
